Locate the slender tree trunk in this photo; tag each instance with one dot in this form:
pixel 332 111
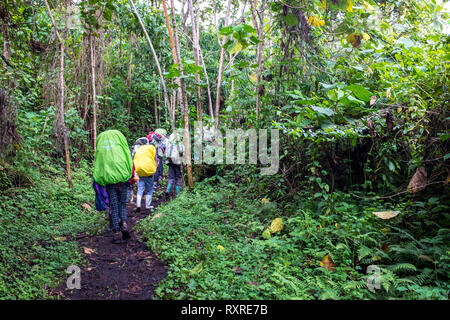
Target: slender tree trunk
pixel 174 54
pixel 210 105
pixel 61 110
pixel 129 79
pixel 221 61
pixel 169 30
pixel 156 111
pixel 187 136
pixel 158 66
pixel 208 87
pixel 62 124
pixel 195 46
pixel 260 29
pixel 8 132
pixel 6 46
pixel 94 91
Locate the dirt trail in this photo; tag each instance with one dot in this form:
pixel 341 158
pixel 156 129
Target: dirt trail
pixel 118 271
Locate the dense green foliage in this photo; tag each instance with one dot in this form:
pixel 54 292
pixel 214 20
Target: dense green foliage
pixel 216 249
pixel 37 233
pixel 358 89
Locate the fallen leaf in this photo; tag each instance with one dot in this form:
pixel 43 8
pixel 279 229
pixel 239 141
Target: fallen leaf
pixel 253 283
pixel 327 263
pixel 156 216
pixel 418 181
pixel 276 225
pixel 86 207
pixel 88 250
pixel 386 214
pixel 422 256
pixel 388 92
pixel 237 270
pixel 373 99
pixel 60 238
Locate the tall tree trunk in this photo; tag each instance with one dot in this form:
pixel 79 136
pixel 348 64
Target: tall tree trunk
pixel 130 65
pixel 221 61
pixel 94 92
pixel 195 45
pixel 260 29
pixel 8 133
pixel 208 87
pixel 210 105
pixel 156 111
pixel 187 136
pixel 174 55
pixel 6 46
pixel 62 124
pixel 158 66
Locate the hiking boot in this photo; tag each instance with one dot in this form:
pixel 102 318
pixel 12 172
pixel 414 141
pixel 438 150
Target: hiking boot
pixel 125 233
pixel 117 237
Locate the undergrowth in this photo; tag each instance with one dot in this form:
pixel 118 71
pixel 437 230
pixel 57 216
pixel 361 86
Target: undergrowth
pixel 38 224
pixel 213 240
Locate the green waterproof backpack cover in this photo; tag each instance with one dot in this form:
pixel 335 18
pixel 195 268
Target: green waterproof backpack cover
pixel 113 163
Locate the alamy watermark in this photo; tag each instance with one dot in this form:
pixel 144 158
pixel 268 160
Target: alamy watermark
pixel 218 146
pixel 73 281
pixel 373 281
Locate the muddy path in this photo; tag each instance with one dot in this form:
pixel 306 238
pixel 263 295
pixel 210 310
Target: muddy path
pixel 127 271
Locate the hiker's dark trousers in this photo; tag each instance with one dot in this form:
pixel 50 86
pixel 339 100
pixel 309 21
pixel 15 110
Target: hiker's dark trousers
pixel 117 203
pixel 159 170
pixel 175 177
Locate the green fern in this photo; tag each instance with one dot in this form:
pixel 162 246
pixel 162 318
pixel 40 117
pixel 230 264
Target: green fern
pixel 402 268
pixel 356 285
pixel 423 278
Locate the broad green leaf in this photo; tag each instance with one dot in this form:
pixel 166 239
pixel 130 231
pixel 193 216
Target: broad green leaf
pixel 360 92
pixel 226 31
pixel 291 19
pixel 248 28
pixel 326 111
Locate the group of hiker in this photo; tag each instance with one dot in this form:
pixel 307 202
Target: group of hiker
pixel 117 168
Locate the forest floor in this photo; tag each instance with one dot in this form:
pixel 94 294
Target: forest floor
pixel 126 271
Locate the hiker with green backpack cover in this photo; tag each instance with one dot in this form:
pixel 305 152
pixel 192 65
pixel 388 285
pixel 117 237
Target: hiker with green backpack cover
pixel 113 169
